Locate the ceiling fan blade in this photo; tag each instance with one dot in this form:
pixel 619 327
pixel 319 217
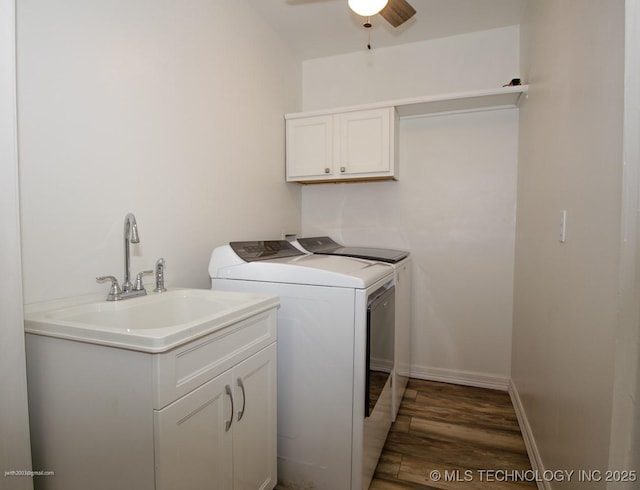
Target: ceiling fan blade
pixel 397 12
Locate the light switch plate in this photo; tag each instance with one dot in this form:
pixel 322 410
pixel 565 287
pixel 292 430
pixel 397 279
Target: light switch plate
pixel 563 226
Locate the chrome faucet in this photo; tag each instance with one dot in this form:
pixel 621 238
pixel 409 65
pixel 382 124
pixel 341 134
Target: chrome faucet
pixel 128 289
pixel 130 235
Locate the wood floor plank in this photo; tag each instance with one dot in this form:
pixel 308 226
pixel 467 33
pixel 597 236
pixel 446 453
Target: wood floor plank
pixel 499 439
pixel 389 464
pixel 429 407
pixel 468 436
pixel 457 453
pixel 450 477
pixel 410 393
pixel 402 423
pixel 394 484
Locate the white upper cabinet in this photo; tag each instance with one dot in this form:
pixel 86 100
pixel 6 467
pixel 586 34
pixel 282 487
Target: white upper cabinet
pixel 354 145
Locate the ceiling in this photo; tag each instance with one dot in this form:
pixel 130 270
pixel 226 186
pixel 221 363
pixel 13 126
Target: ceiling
pixel 318 28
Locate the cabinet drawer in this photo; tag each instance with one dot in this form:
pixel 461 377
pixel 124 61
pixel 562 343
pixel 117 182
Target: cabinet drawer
pixel 183 369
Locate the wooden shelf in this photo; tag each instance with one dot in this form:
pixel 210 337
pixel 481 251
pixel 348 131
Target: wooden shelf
pixel 478 100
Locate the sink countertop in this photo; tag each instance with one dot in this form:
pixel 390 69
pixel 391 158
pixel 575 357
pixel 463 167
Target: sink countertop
pixel 153 323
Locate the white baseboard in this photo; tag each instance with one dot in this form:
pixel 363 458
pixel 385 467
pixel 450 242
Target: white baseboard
pixel 467 378
pixel 527 435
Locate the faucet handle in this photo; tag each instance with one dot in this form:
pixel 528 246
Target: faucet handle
pixel 114 292
pixel 138 285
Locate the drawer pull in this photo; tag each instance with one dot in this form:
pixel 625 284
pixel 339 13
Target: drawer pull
pixel 244 399
pixel 227 390
pixel 327 170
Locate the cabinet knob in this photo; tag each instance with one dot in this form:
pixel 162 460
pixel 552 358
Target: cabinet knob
pixel 327 170
pixel 343 169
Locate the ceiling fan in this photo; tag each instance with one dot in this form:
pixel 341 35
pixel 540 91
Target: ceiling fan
pixel 396 12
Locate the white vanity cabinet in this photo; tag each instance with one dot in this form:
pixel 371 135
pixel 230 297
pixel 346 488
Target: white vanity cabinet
pixel 352 145
pixel 222 434
pixel 199 415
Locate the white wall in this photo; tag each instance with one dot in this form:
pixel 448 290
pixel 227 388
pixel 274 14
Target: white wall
pixel 14 424
pixel 454 205
pixel 566 295
pixel 172 111
pixel 485 59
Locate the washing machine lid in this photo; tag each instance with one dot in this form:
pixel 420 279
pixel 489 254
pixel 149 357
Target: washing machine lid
pixel 324 245
pixel 280 264
pixel 250 251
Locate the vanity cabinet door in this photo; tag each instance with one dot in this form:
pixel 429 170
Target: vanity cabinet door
pixel 193 439
pixel 254 428
pixel 222 435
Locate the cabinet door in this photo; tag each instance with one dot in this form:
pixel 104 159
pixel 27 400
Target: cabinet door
pixel 309 148
pixel 364 142
pixel 255 435
pixel 193 443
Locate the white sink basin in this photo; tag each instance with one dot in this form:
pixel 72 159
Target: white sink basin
pixel 152 323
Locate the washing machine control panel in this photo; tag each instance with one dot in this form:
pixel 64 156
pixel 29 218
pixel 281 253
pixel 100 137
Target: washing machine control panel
pixel 264 249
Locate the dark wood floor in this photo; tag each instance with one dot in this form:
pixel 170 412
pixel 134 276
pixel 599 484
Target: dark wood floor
pixel 453 437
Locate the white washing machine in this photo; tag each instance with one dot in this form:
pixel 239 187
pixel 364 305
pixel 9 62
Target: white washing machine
pixel 400 260
pixel 333 415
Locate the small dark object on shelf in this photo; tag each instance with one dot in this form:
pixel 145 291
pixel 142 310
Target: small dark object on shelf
pixel 514 82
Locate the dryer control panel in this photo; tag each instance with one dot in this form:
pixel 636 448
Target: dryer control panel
pixel 327 246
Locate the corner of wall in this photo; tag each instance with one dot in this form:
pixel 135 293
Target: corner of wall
pixel 527 434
